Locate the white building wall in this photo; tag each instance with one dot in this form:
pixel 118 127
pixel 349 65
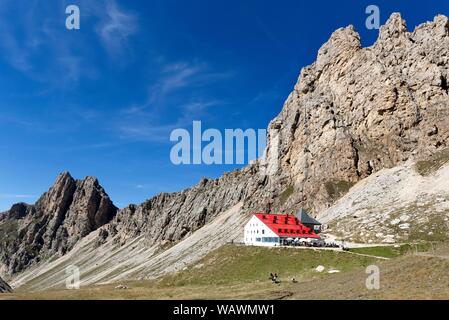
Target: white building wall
pixel 256 233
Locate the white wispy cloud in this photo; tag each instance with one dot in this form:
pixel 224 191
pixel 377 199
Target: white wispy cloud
pixel 13 52
pixel 177 82
pixel 142 125
pixel 199 106
pixel 116 27
pixel 174 77
pixel 34 40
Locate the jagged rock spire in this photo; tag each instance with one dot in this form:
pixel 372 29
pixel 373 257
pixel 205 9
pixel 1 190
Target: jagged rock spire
pixel 67 212
pixel 393 28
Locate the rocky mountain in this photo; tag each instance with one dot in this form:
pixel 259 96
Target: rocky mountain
pixel 353 113
pixel 358 110
pixel 4 287
pixel 69 211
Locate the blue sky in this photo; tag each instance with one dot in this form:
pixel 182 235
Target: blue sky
pixel 103 100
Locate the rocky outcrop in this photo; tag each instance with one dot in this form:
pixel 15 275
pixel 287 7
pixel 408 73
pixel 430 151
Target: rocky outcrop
pixel 352 113
pixel 358 110
pixel 69 211
pixel 4 287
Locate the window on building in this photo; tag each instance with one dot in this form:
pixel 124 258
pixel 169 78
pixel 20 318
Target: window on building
pixel 270 240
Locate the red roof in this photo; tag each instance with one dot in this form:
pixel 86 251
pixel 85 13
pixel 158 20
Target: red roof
pixel 286 225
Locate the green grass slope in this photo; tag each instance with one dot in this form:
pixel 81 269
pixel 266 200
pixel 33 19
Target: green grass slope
pixel 235 272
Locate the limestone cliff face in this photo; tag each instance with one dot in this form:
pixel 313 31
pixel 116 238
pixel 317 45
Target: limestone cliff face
pixel 69 211
pixel 357 110
pixel 353 112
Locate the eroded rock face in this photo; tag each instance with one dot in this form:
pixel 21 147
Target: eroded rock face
pixel 69 211
pixel 4 287
pixel 357 110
